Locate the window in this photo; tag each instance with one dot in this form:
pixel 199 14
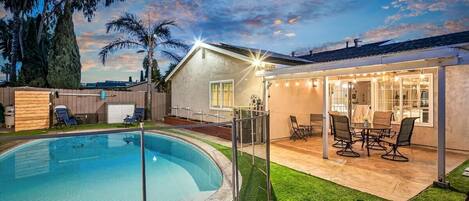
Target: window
pixel 221 94
pixel 406 96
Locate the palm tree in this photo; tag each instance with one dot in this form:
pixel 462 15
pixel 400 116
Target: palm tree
pixel 147 39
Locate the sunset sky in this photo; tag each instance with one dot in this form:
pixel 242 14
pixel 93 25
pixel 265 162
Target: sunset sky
pixel 277 25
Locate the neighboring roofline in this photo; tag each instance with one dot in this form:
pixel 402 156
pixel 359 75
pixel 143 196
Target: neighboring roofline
pixel 450 51
pixel 198 45
pixel 138 83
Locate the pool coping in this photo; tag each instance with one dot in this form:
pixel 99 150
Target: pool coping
pixel 225 192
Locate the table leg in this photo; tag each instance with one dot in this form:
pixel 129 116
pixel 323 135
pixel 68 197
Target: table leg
pixel 367 141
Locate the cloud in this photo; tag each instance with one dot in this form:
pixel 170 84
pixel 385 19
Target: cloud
pixel 396 33
pixel 414 8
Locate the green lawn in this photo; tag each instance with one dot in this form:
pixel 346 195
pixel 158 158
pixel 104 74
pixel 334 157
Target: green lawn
pixel 81 127
pixel 459 187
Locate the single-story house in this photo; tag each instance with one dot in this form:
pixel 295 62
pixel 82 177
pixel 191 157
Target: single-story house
pixel 213 78
pixel 425 78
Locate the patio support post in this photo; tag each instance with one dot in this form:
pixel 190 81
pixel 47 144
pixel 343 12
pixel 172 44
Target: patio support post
pixel 441 182
pixel 325 117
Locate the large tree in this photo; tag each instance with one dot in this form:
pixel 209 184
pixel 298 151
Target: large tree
pixel 64 69
pixel 147 38
pixel 34 67
pixel 18 9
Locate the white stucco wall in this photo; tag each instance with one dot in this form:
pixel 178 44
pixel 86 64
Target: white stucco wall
pixel 190 85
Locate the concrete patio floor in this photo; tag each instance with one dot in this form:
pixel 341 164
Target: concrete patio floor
pixel 388 179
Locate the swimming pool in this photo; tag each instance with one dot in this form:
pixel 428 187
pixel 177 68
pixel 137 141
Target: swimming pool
pixel 107 167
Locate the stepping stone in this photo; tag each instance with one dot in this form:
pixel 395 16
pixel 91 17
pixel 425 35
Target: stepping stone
pixel 466 170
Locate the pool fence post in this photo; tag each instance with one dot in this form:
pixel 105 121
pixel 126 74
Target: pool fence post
pixel 142 154
pixel 234 159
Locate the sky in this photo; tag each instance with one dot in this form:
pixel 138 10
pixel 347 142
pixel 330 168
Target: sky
pixel 281 26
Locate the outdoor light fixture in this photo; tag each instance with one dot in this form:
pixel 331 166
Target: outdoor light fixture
pixel 422 76
pixel 374 79
pixel 316 83
pixel 396 78
pixel 309 83
pixel 276 84
pixel 355 80
pixel 287 84
pixel 297 83
pixel 256 62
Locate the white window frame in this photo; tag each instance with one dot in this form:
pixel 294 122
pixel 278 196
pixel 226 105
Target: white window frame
pixel 220 82
pixel 374 100
pixel 430 98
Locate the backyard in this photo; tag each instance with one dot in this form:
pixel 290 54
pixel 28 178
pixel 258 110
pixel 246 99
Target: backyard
pixel 287 184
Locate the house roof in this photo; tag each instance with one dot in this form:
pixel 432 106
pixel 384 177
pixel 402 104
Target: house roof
pixel 382 47
pixel 271 57
pixel 242 53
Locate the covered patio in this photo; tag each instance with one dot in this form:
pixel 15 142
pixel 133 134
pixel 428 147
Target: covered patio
pixel 407 84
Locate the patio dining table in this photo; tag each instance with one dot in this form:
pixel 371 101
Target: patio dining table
pixel 366 131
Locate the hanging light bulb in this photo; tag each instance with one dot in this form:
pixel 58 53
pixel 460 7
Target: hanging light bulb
pixel 309 83
pixel 422 76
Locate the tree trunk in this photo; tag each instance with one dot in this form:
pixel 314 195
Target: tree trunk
pixel 41 23
pixel 149 87
pixel 14 48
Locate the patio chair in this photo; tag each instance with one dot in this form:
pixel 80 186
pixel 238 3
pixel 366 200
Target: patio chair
pixel 297 132
pixel 344 134
pixel 337 142
pixel 63 118
pixel 315 123
pixel 403 139
pixel 136 117
pixel 380 118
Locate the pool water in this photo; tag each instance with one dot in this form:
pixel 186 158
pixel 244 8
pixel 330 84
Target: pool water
pixel 107 167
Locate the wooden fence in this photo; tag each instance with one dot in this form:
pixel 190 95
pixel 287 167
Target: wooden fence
pixel 86 104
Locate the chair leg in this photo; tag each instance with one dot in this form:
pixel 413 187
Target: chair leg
pixel 347 151
pixel 339 144
pixel 375 144
pixel 395 155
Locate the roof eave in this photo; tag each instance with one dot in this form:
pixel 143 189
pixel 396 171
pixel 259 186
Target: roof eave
pixel 406 56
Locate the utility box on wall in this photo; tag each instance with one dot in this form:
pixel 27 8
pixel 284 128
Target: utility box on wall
pixel 116 112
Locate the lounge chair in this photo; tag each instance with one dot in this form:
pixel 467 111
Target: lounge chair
pixel 342 132
pixel 136 117
pixel 63 118
pixel 403 139
pixel 297 132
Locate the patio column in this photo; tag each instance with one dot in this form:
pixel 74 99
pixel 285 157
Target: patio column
pixel 325 117
pixel 441 181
